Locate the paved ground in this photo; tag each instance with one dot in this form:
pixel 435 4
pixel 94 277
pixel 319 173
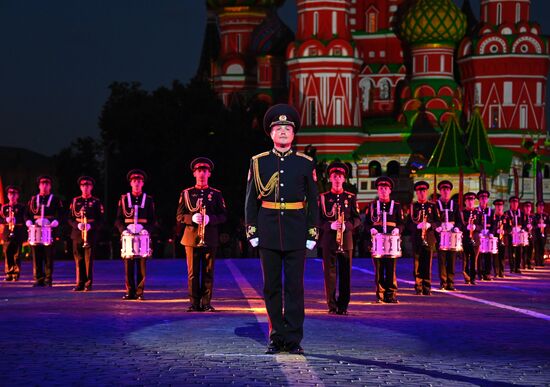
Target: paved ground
pixel 494 334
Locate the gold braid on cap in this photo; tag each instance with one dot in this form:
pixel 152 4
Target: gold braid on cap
pixel 272 184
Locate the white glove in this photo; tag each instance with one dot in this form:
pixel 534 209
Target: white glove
pixel 373 231
pixel 54 223
pixel 197 218
pixel 9 219
pixel 81 226
pixel 471 227
pixel 135 229
pixel 28 223
pixel 517 229
pixel 500 231
pixel 421 225
pixel 254 242
pixel 529 226
pixel 542 225
pixel 310 245
pixel 395 231
pixel 337 225
pixel 456 229
pixel 439 229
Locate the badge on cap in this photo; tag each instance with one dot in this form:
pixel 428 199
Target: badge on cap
pixel 282 117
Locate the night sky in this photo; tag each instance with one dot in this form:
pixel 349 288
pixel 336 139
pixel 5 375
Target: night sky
pixel 58 58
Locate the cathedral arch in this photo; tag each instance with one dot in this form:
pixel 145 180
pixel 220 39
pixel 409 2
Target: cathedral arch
pixel 526 44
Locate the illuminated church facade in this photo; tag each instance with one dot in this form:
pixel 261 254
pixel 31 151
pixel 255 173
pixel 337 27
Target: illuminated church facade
pixel 386 84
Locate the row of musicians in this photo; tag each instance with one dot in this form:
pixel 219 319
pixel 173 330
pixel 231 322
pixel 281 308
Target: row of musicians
pixel 38 221
pixel 434 226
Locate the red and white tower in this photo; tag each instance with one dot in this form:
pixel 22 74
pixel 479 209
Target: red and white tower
pixel 323 65
pixel 373 28
pixel 504 68
pixel 237 19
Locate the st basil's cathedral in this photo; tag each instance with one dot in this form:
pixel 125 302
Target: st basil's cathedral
pixel 411 89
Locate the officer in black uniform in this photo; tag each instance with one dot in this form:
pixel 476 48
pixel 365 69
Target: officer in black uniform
pixel 85 218
pixel 539 233
pixel 470 231
pixel 281 215
pixel 499 221
pixel 515 221
pixel 384 268
pixel 135 268
pixel 52 208
pixel 339 216
pixel 486 221
pixel 449 219
pixel 201 253
pixel 423 215
pixel 12 216
pixel 528 220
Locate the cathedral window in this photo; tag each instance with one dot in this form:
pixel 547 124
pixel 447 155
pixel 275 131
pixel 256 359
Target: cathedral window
pixel 523 117
pixel 518 13
pixel 393 168
pixel 334 23
pixel 315 23
pixel 494 114
pixel 311 111
pixel 372 21
pixel 499 14
pixel 338 103
pixel 375 169
pixel 385 89
pixel 426 63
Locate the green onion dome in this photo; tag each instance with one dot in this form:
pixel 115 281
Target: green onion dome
pixel 433 21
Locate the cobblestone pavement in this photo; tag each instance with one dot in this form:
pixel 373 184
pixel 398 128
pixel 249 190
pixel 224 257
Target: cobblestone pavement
pixel 492 334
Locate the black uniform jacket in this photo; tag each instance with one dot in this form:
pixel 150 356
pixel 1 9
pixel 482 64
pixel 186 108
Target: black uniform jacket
pixel 19 231
pixel 282 179
pixel 515 218
pixel 418 212
pixel 212 199
pixel 328 204
pixel 92 209
pixel 374 217
pixel 146 211
pixel 453 213
pixel 486 220
pixel 53 210
pixel 471 216
pixel 499 222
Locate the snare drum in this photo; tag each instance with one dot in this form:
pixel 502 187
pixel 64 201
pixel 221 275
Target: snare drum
pixel 520 238
pixel 488 244
pixel 41 236
pixel 135 245
pixel 450 241
pixel 386 246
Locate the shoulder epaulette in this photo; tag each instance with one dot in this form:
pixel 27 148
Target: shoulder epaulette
pixel 324 193
pixel 349 193
pixel 263 154
pixel 215 189
pixel 304 156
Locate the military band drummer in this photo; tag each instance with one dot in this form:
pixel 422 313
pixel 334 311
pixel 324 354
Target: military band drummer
pixel 128 204
pixel 44 214
pixel 384 213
